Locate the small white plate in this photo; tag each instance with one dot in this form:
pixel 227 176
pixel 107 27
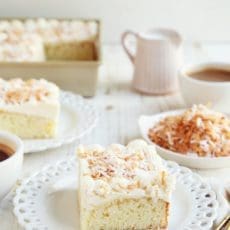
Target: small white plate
pixel 147 122
pixel 77 117
pixel 38 206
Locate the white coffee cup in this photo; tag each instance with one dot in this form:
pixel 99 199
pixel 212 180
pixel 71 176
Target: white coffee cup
pixel 10 168
pixel 194 91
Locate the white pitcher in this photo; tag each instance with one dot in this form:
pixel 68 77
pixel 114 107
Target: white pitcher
pixel 157 60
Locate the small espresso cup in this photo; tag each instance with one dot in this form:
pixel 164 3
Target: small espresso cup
pixel 10 167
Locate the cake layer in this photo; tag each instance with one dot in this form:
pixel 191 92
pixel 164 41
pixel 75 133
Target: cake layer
pixel 26 126
pixel 123 186
pixel 126 214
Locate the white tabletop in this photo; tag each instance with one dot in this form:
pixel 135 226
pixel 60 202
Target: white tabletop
pixel 120 108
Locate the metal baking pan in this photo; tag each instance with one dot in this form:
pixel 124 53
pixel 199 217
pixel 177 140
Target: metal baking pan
pixel 78 76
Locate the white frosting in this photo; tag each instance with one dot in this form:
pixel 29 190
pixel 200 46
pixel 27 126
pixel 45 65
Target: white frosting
pixel 134 171
pixel 21 47
pixel 46 110
pixel 32 97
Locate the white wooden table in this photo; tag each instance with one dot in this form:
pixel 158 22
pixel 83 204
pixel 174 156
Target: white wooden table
pixel 120 108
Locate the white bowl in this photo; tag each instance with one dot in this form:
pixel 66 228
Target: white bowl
pixel 204 92
pixel 147 122
pixel 11 167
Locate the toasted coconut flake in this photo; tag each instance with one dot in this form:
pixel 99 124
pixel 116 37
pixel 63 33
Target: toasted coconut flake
pixel 198 130
pixel 17 91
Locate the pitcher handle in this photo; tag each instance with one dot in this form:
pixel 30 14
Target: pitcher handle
pixel 126 48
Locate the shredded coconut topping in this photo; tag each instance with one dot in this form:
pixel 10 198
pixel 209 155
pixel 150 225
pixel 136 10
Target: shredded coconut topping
pixel 198 130
pixel 135 170
pixel 17 91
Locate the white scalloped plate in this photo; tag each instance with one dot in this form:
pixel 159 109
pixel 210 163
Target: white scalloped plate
pixel 36 207
pixel 77 117
pixel 147 122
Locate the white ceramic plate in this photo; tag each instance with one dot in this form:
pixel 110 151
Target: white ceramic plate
pixel 194 204
pixel 77 117
pixel 147 122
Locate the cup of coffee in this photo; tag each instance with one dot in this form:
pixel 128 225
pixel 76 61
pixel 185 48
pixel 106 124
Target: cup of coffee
pixel 11 159
pixel 207 83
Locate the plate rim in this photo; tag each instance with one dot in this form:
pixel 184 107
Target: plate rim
pixel 54 143
pixel 182 173
pixel 165 152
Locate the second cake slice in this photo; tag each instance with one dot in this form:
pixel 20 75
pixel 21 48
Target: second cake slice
pixel 123 188
pixel 29 109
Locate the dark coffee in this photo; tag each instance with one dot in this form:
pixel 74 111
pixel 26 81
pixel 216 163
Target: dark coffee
pixel 5 152
pixel 214 75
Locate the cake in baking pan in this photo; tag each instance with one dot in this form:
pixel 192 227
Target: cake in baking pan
pixel 29 109
pixel 47 39
pixel 123 187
